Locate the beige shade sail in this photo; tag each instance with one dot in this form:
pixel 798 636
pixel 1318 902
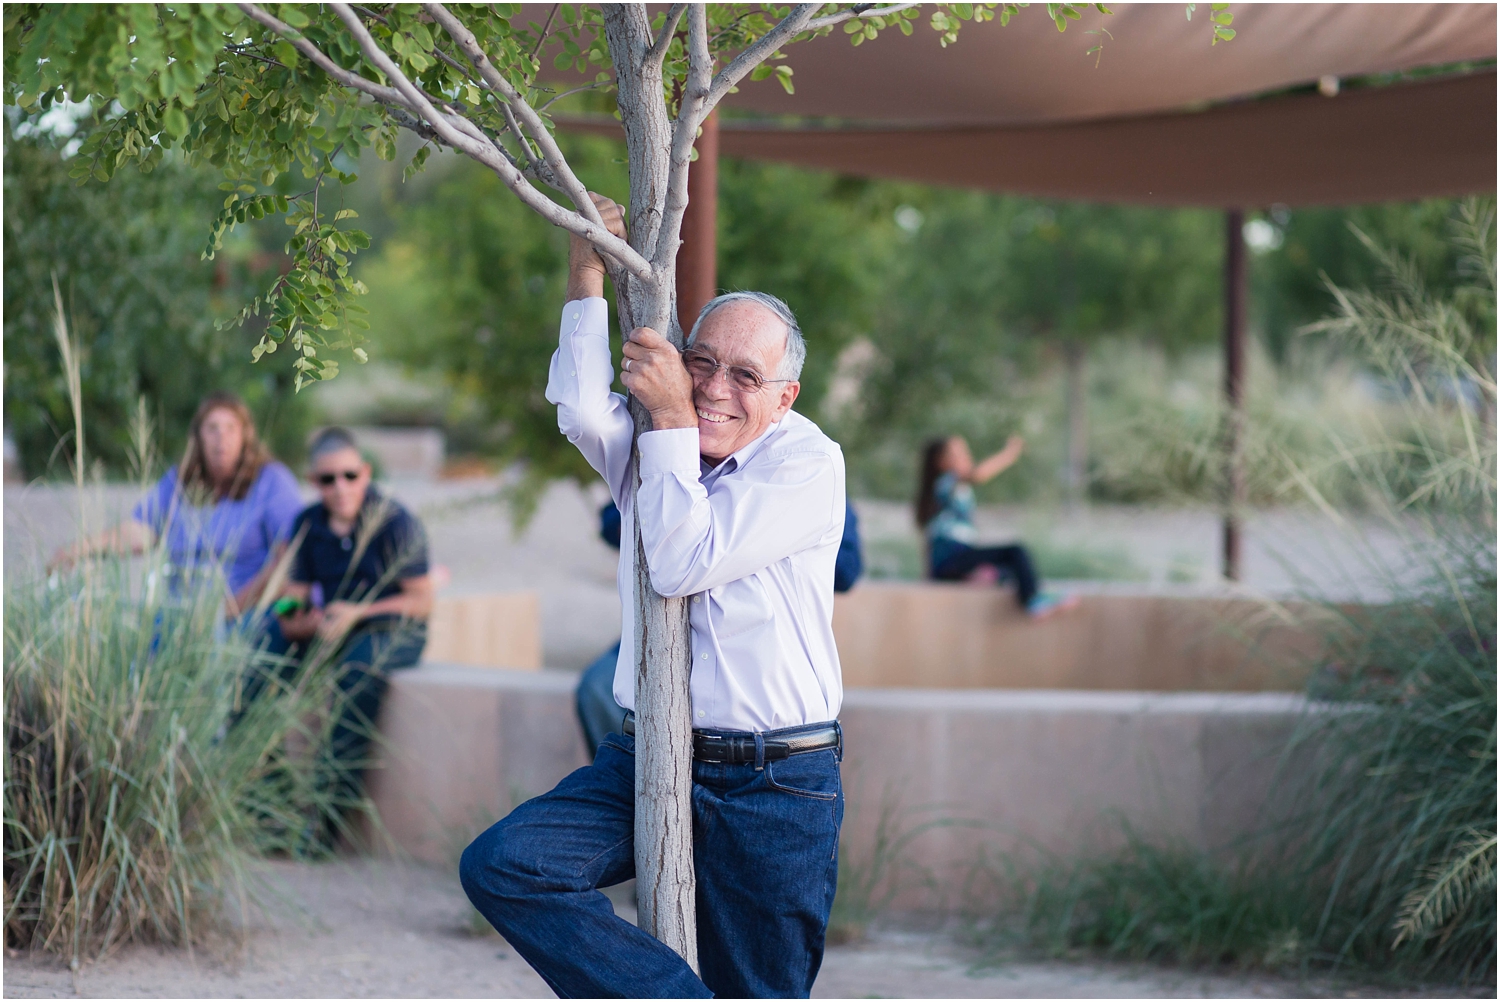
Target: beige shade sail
pixel 1157 116
pixel 1153 59
pixel 1375 144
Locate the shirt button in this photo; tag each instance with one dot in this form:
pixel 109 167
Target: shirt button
pixel 575 314
pixel 705 657
pixel 575 372
pixel 697 599
pixel 702 713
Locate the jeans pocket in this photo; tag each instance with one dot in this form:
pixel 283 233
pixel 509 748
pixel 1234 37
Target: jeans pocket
pixel 811 774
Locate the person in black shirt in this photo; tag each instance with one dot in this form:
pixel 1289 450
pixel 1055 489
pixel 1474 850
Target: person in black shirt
pixel 358 592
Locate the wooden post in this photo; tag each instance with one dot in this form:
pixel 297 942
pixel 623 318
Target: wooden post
pixel 1234 388
pixel 697 259
pixel 1078 422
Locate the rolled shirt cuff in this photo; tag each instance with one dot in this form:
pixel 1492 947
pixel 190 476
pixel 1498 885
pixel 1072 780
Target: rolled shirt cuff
pixel 585 316
pixel 671 450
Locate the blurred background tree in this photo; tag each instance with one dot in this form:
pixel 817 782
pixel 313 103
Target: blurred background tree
pixel 141 302
pixel 928 311
pixel 992 290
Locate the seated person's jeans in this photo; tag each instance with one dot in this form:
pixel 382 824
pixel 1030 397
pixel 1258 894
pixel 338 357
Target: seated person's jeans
pixel 361 663
pixel 597 710
pixel 955 561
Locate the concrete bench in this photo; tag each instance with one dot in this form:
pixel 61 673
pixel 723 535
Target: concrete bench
pixel 941 636
pixel 950 636
pixel 497 630
pixel 990 774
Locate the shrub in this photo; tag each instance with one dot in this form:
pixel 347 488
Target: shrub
pixel 139 780
pixel 1386 859
pixel 138 783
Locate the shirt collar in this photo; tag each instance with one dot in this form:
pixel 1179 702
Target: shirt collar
pixel 738 459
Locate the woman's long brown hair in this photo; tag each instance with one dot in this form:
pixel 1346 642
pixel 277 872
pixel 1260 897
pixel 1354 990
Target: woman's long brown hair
pixel 192 475
pixel 932 468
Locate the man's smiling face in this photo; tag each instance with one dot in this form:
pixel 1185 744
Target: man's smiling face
pixel 729 417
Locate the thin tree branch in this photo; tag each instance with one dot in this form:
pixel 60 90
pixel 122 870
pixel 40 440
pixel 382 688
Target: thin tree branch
pixel 566 181
pixel 485 152
pixel 861 11
pixel 546 30
pixel 690 116
pixel 515 130
pixel 381 93
pixel 575 90
pixel 762 49
pixel 658 50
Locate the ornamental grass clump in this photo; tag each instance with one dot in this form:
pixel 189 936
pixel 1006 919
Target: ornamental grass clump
pixel 1381 857
pixel 139 782
pixel 1401 829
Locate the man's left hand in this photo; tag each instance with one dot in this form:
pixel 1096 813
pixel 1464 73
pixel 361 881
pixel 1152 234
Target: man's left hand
pixel 338 619
pixel 653 372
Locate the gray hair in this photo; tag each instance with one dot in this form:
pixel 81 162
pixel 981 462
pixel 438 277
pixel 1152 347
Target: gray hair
pixel 796 346
pixel 334 439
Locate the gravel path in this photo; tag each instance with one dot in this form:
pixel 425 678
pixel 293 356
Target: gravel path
pixel 378 929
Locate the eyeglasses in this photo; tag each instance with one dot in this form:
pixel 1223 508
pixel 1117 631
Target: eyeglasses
pixel 329 479
pixel 703 366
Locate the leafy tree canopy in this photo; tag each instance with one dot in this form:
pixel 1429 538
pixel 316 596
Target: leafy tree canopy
pixel 265 91
pixel 140 302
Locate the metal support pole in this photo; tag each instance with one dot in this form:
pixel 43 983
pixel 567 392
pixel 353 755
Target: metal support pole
pixel 1234 387
pixel 697 261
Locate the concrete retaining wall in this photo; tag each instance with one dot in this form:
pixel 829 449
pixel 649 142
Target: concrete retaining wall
pixel 966 775
pixel 947 636
pixel 937 636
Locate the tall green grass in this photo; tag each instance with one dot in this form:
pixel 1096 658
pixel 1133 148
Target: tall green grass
pixel 139 783
pixel 1383 855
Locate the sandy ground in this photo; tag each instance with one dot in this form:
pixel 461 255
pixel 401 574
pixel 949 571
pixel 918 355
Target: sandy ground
pixel 559 553
pixel 364 929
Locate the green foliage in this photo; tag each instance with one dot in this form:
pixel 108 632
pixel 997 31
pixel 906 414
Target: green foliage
pixel 1287 278
pixel 467 288
pixel 1383 857
pixel 984 288
pixel 1166 903
pixel 468 282
pixel 126 258
pixel 258 97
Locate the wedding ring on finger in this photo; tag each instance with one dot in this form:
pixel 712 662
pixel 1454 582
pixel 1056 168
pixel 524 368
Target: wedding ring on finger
pixel 627 365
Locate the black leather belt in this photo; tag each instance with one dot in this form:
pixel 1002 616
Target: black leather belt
pixel 739 747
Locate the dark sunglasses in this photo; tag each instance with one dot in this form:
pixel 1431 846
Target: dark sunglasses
pixel 328 479
pixel 702 366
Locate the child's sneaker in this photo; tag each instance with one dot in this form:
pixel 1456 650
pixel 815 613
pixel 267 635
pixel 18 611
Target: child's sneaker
pixel 1049 603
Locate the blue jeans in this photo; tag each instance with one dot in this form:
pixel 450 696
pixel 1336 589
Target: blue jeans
pixel 597 710
pixel 954 561
pixel 765 852
pixel 361 664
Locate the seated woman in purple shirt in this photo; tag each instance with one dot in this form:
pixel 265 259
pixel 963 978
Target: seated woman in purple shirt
pixel 225 507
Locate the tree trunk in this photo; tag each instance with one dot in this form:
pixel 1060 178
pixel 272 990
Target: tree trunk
pixel 663 647
pixel 1078 422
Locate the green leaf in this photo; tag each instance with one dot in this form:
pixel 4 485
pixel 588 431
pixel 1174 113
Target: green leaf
pixel 175 122
pixel 294 17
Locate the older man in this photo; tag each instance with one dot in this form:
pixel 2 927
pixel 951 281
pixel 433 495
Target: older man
pixel 741 506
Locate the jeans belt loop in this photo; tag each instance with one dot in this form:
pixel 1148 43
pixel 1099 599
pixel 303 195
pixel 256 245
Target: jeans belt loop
pixel 839 748
pixel 760 751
